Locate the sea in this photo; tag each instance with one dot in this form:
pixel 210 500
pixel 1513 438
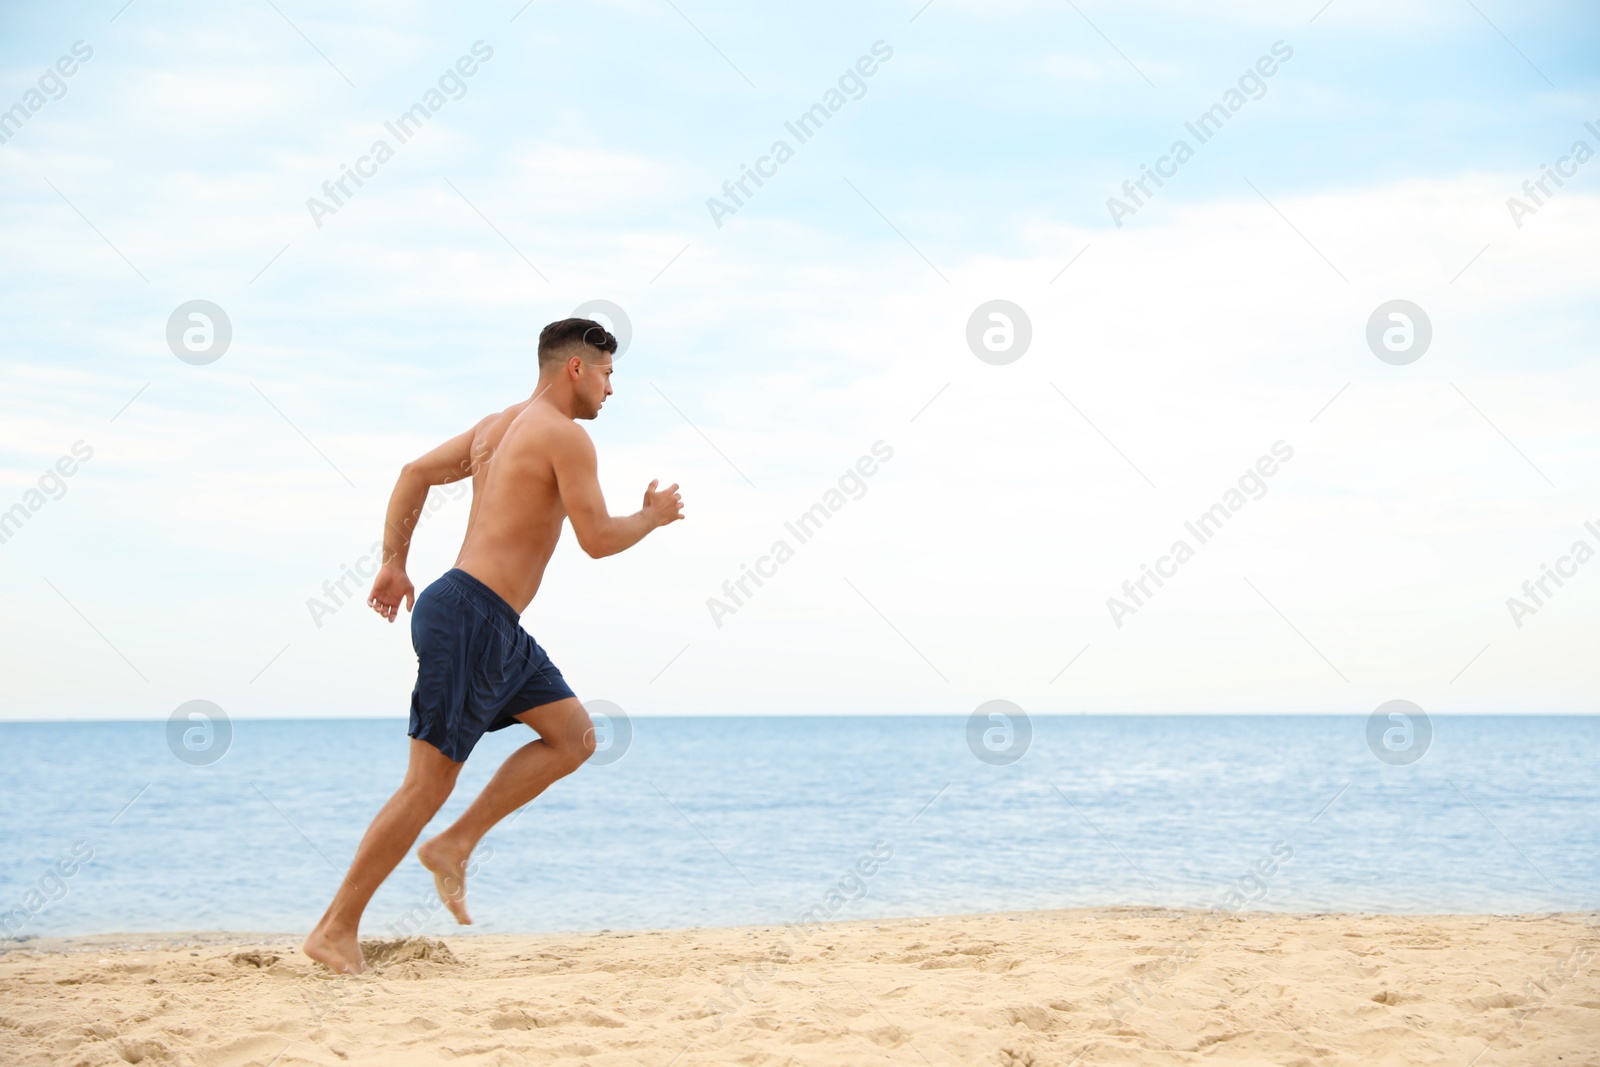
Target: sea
pixel 131 827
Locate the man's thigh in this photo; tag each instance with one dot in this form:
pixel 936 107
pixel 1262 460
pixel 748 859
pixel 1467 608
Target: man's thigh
pixel 561 723
pixel 428 767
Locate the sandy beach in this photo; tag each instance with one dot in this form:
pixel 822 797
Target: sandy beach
pixel 1045 989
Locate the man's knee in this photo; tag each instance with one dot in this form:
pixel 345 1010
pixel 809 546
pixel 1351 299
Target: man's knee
pixel 566 731
pixel 430 791
pixel 576 752
pixel 431 781
pixel 578 744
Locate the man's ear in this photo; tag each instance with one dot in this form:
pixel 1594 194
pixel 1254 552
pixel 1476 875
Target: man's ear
pixel 574 367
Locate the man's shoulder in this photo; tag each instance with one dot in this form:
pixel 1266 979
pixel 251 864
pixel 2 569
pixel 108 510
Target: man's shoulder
pixel 536 427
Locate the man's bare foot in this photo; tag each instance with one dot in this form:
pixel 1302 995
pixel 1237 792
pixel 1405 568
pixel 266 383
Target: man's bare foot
pixel 449 870
pixel 339 949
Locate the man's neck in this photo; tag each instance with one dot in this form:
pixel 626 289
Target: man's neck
pixel 549 393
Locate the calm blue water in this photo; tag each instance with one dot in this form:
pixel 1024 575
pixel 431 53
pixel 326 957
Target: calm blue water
pixel 753 820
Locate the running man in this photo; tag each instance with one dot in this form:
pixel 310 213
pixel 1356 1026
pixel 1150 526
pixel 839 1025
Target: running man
pixel 477 668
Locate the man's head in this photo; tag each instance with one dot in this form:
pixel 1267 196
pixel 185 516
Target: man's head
pixel 575 364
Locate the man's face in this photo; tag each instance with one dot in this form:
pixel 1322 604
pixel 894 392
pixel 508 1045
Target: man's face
pixel 593 385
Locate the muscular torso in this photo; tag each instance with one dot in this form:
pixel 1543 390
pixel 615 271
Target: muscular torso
pixel 517 512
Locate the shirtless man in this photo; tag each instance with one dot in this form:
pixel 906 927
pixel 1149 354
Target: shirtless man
pixel 477 668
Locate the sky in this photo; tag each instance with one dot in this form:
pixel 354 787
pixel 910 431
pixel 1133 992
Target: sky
pixel 1382 489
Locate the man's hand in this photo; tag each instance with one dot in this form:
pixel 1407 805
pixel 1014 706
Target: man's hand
pixel 388 589
pixel 664 506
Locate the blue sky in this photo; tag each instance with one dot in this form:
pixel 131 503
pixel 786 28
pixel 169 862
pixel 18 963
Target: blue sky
pixel 828 314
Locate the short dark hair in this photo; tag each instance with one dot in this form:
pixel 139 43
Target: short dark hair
pixel 557 339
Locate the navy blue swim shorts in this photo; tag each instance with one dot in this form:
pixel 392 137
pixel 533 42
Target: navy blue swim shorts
pixel 477 667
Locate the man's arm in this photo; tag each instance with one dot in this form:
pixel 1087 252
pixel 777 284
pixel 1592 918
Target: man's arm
pixel 450 462
pixel 599 532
